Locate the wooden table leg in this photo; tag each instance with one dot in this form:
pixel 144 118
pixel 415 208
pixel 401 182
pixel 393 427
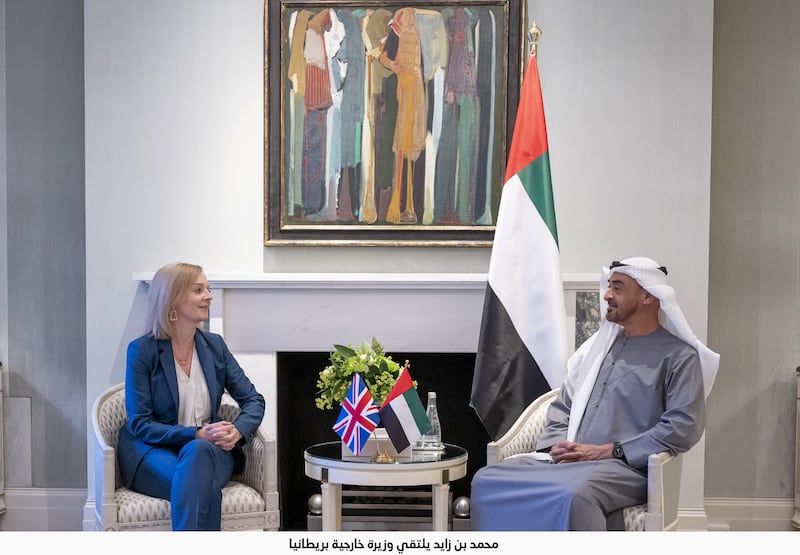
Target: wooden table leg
pixel 331 507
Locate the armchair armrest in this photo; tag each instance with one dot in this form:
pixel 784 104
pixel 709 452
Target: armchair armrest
pixel 521 437
pixel 105 462
pixel 261 468
pixel 256 463
pixel 663 491
pixel 261 460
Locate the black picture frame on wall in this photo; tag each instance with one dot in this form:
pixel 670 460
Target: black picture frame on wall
pixel 385 123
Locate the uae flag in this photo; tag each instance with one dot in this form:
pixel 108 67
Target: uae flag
pixel 522 347
pixel 402 413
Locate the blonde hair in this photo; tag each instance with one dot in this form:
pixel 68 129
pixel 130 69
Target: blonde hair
pixel 169 283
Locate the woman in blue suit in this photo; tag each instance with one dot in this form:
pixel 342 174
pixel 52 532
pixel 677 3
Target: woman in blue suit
pixel 174 446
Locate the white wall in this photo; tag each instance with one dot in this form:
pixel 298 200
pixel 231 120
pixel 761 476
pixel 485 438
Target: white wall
pixel 174 165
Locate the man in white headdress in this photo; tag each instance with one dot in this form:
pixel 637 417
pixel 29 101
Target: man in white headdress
pixel 636 387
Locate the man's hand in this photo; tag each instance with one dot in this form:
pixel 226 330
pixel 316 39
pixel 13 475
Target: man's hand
pixel 569 451
pixel 223 434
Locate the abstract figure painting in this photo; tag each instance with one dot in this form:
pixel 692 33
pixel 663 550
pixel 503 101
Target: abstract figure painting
pixel 388 124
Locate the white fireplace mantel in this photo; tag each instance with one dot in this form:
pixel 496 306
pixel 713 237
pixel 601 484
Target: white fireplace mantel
pixel 423 312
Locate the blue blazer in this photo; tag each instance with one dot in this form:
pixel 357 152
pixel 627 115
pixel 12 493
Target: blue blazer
pixel 151 398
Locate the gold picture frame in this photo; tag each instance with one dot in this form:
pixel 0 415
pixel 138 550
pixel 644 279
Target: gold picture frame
pixel 385 123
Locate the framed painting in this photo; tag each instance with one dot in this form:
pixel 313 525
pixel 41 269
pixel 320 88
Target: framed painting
pixel 388 123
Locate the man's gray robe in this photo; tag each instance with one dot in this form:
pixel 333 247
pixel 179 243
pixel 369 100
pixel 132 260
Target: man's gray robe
pixel 648 395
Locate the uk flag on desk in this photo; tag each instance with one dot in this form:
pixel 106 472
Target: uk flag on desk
pixel 358 417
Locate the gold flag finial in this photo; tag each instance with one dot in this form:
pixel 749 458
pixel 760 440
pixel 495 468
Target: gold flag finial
pixel 534 32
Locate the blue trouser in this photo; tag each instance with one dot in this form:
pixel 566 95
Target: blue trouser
pixel 524 494
pixel 192 480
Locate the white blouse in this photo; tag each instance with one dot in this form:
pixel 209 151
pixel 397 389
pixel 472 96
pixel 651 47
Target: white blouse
pixel 194 408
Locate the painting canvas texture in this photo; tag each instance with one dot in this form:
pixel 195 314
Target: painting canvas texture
pixel 393 116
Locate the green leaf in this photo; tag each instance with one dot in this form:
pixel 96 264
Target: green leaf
pixel 344 350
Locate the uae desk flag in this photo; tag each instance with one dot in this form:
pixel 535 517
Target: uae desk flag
pixel 522 346
pixel 402 413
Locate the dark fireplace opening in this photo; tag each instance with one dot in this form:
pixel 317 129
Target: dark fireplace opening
pixel 301 424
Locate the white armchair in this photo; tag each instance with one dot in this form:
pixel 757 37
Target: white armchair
pixel 663 470
pixel 249 500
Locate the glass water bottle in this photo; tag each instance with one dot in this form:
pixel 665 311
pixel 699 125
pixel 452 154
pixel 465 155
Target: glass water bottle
pixel 432 439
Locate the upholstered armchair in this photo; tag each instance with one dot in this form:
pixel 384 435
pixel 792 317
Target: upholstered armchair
pixel 249 500
pixel 663 470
